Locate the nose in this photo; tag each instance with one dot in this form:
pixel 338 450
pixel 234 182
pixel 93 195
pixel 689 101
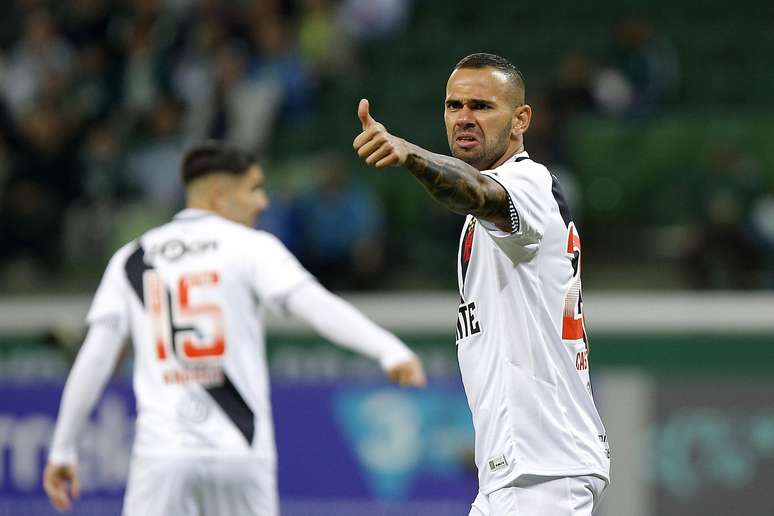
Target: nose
pixel 465 117
pixel 263 203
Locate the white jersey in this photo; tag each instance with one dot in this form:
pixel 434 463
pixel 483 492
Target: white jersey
pixel 192 293
pixel 521 339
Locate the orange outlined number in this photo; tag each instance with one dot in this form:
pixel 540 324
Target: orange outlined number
pixel 573 327
pixel 193 347
pixel 178 323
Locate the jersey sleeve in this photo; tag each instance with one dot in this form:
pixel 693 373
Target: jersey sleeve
pixel 344 325
pixel 96 360
pixel 529 205
pixel 110 302
pixel 275 271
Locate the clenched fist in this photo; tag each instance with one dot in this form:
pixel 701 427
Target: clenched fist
pixel 408 374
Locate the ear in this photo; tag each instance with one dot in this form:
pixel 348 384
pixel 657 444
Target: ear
pixel 522 117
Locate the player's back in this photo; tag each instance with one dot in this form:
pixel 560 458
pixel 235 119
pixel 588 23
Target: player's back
pixel 193 292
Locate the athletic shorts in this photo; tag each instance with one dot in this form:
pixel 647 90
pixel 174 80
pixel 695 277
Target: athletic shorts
pixel 532 495
pixel 196 486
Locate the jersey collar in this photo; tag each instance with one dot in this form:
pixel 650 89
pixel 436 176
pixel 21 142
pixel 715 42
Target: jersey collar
pixel 192 214
pixel 517 157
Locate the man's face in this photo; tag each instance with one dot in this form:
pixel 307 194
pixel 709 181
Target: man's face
pixel 479 117
pixel 243 199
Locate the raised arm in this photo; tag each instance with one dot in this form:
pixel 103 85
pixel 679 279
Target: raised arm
pixel 450 181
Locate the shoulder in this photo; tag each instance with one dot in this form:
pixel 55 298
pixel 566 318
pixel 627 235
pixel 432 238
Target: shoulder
pixel 244 239
pixel 122 255
pixel 522 173
pixel 135 252
pixel 243 233
pixel 524 165
pixel 225 230
pixel 120 264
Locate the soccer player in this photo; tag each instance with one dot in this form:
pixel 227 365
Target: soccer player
pixel 192 294
pixel 540 446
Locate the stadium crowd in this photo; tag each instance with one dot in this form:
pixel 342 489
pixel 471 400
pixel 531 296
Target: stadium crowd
pixel 99 98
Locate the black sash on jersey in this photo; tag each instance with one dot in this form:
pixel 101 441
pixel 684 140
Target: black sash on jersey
pixel 225 395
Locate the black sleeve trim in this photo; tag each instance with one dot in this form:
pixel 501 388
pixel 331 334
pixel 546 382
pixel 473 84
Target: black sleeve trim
pixel 513 213
pixel 515 220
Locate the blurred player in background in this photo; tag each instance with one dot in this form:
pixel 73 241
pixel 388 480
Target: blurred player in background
pixel 541 447
pixel 192 295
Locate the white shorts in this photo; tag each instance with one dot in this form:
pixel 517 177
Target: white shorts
pixel 532 495
pixel 193 486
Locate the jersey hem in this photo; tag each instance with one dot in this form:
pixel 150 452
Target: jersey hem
pixel 544 472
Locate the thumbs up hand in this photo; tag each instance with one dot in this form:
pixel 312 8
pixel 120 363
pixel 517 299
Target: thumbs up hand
pixel 375 145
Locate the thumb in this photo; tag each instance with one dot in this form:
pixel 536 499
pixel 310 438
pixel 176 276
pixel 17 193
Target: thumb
pixel 363 114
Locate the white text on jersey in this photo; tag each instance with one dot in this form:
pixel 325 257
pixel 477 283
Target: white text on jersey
pixel 173 250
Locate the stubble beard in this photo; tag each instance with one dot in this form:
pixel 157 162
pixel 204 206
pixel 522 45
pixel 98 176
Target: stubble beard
pixel 488 156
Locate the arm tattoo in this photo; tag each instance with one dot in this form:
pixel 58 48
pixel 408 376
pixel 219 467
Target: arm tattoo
pixel 457 185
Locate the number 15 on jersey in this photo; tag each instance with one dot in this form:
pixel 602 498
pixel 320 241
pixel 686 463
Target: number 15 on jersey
pixel 192 331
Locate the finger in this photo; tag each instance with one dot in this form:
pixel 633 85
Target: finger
pixel 394 375
pixel 417 375
pixel 61 502
pixel 363 113
pixel 75 485
pixel 388 161
pixel 370 147
pixel 51 483
pixel 420 380
pixel 379 154
pixel 407 379
pixel 398 374
pixel 58 496
pixel 366 136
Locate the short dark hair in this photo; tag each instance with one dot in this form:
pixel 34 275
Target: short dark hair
pixel 211 157
pixel 484 60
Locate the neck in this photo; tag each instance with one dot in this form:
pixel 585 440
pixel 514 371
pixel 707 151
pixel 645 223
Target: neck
pixel 198 204
pixel 511 152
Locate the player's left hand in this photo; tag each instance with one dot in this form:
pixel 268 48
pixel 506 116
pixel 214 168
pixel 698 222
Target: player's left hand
pixel 408 374
pixel 375 144
pixel 61 484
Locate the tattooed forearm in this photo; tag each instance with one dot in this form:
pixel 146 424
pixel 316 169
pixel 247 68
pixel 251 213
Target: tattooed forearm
pixel 457 185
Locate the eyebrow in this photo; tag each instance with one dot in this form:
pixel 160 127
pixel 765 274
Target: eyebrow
pixel 469 101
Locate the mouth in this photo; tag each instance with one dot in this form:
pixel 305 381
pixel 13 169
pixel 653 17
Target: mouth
pixel 466 140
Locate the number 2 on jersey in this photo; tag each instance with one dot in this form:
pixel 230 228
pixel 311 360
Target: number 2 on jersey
pixel 177 321
pixel 572 321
